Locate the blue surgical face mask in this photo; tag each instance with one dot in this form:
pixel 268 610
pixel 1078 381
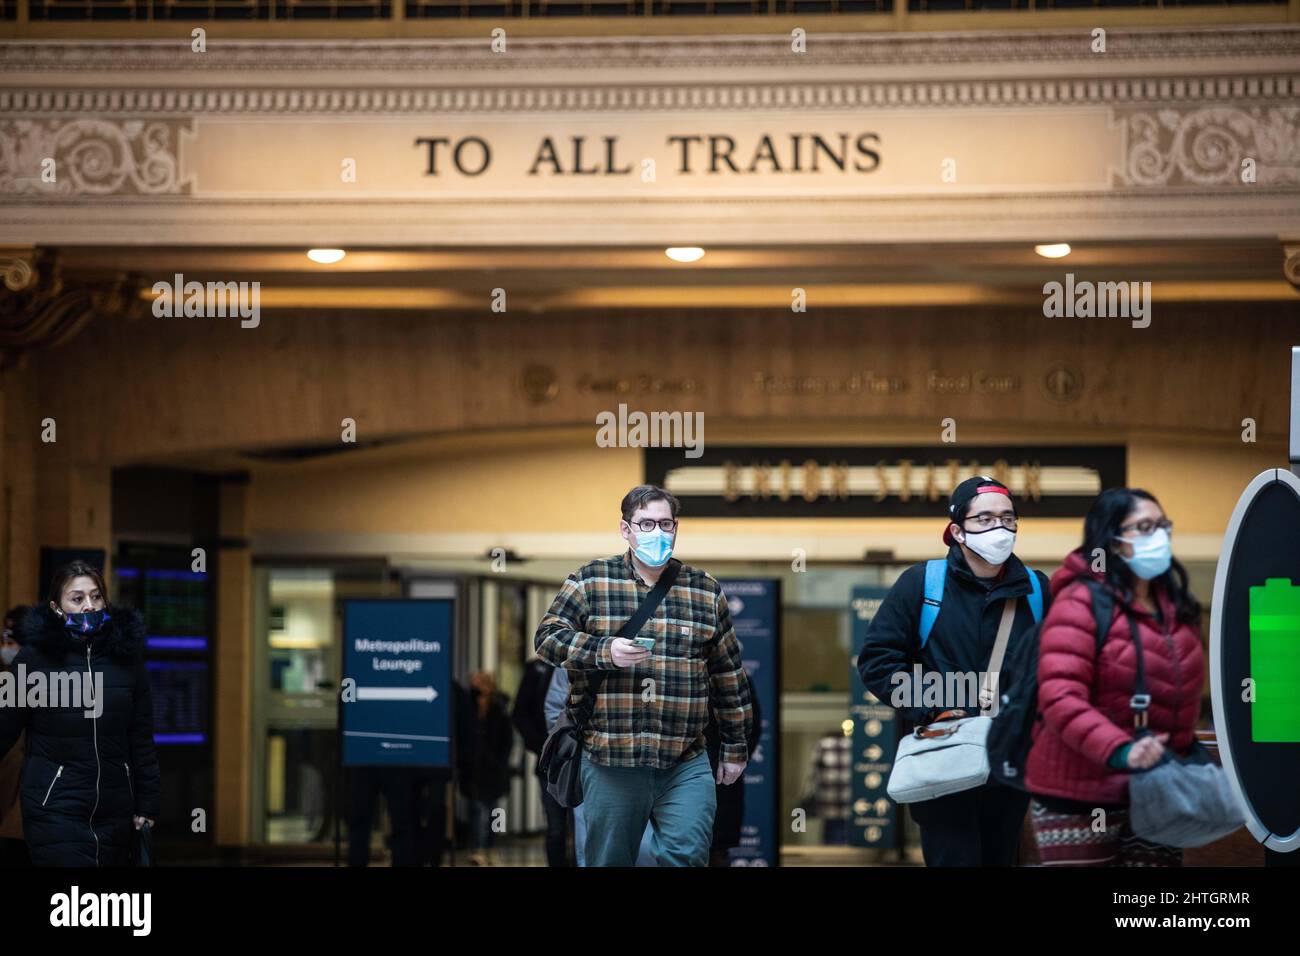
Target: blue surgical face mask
pixel 85 623
pixel 1152 554
pixel 654 548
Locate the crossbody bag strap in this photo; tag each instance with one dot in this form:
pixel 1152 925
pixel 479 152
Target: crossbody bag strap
pixel 1140 702
pixel 631 627
pixel 989 688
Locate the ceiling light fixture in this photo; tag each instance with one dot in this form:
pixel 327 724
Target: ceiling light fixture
pixel 1053 250
pixel 325 256
pixel 684 253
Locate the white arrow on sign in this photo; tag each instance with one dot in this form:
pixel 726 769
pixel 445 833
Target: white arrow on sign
pixel 426 694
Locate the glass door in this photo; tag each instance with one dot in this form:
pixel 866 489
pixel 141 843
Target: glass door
pixel 297 634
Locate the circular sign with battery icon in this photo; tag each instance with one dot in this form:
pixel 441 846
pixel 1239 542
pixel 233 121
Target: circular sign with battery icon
pixel 1255 657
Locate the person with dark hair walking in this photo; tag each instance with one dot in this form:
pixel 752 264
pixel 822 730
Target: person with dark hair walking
pixel 1094 730
pixel 643 754
pixel 90 776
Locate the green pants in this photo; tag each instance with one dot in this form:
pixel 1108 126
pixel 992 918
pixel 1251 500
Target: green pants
pixel 618 802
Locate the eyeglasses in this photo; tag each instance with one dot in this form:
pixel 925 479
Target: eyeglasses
pixel 986 519
pixel 1149 526
pixel 649 524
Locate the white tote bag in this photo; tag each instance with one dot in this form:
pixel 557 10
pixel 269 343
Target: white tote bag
pixel 951 753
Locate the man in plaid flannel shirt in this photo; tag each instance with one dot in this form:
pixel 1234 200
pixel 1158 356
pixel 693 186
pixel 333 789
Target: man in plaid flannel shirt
pixel 644 756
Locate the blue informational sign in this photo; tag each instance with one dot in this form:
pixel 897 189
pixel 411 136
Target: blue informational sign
pixel 396 700
pixel 755 607
pixel 873 817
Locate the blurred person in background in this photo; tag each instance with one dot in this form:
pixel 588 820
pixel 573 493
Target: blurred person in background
pixel 730 816
pixel 530 718
pixel 400 787
pixel 13 850
pixel 485 738
pixel 830 787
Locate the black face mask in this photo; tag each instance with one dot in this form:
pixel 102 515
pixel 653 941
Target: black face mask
pixel 85 623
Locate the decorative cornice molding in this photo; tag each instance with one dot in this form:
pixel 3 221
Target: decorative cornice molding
pixel 96 156
pixel 582 54
pixel 1223 146
pixel 44 311
pixel 17 269
pixel 1291 263
pixel 674 98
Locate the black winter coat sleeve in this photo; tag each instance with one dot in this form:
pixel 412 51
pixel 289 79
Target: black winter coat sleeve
pixel 13 720
pixel 501 730
pixel 529 712
pixel 893 641
pixel 144 757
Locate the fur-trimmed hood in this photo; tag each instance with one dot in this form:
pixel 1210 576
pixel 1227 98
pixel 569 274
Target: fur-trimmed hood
pixel 123 635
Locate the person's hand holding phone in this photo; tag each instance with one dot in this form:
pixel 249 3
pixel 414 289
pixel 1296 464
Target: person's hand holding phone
pixel 627 654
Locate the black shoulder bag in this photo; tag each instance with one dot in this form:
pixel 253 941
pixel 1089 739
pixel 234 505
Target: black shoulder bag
pixel 144 845
pixel 561 758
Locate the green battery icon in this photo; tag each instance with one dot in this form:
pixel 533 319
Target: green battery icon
pixel 1275 662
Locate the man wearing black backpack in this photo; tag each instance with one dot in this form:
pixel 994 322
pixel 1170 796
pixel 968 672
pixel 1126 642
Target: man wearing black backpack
pixel 940 621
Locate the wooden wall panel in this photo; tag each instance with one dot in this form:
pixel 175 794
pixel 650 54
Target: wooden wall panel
pixel 159 388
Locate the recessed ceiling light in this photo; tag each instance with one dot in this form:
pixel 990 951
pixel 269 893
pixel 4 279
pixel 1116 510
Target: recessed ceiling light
pixel 684 253
pixel 1053 250
pixel 325 256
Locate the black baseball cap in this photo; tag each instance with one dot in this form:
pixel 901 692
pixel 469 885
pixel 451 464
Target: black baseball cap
pixel 962 496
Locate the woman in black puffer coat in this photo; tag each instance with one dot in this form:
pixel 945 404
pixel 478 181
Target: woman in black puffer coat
pixel 90 776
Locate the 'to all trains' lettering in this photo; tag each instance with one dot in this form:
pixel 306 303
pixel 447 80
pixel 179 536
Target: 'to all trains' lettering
pixel 710 154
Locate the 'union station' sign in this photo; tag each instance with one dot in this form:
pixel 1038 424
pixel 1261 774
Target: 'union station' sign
pixel 878 481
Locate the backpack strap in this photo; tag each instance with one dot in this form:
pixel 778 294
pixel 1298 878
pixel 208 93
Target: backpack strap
pixel 936 573
pixel 1035 595
pixel 1103 610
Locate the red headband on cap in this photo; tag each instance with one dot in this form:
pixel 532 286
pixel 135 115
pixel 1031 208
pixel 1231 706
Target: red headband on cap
pixel 947 538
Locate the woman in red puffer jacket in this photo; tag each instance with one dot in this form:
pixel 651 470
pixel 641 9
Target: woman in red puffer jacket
pixel 1085 742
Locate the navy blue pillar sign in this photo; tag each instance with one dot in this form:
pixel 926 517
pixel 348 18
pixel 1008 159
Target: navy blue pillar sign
pixel 396 696
pixel 755 607
pixel 873 817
